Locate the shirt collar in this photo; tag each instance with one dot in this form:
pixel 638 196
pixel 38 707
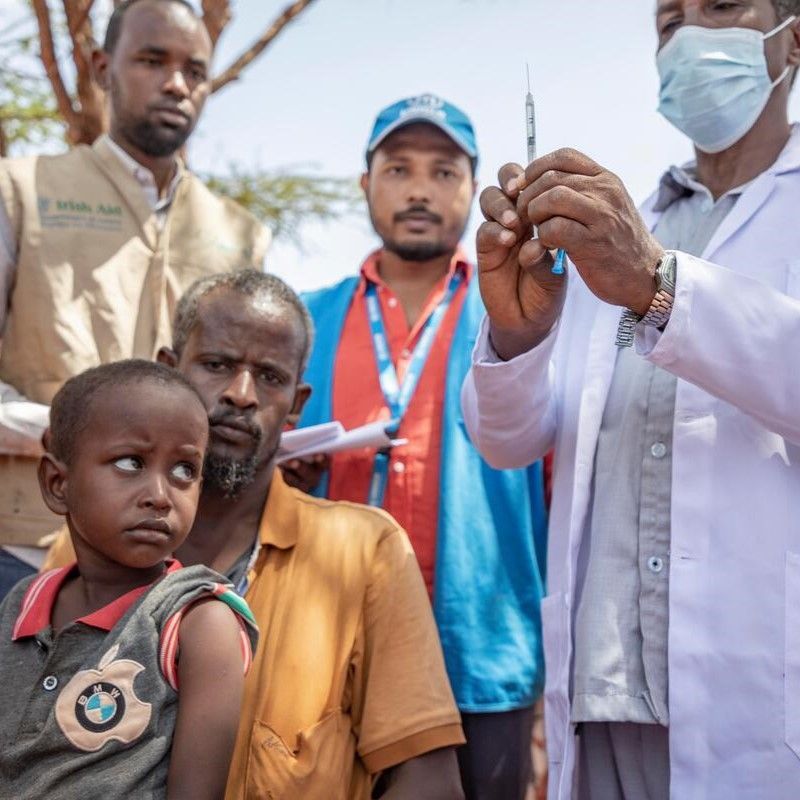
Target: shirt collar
pixel 144 177
pixel 370 274
pixel 280 520
pixel 678 182
pixel 37 604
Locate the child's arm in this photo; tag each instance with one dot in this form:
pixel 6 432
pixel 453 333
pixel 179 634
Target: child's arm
pixel 210 681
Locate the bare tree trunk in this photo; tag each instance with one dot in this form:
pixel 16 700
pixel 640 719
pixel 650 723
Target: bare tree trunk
pixel 3 139
pixel 92 119
pixel 50 61
pixel 216 16
pixel 85 114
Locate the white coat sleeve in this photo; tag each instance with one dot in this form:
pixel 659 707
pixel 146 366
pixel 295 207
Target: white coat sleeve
pixel 508 406
pixel 22 422
pixel 734 337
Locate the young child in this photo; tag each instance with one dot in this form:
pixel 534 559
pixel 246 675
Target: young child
pixel 121 676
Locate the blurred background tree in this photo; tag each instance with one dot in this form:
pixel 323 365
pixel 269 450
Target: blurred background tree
pixel 47 93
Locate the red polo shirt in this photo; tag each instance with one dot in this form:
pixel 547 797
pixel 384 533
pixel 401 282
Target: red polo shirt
pixel 412 491
pixel 37 605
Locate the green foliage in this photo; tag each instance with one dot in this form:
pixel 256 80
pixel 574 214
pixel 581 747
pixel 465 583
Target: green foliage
pixel 287 199
pixel 28 113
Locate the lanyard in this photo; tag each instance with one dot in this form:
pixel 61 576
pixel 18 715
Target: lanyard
pixel 243 584
pixel 398 397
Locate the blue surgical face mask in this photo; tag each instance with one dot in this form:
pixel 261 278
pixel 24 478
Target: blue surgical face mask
pixel 715 82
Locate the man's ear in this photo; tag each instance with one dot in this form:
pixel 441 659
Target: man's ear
pixel 301 395
pixel 53 483
pixel 364 182
pixel 100 68
pixel 166 355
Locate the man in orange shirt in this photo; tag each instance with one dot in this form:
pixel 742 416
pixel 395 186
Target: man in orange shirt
pixel 348 683
pixel 394 344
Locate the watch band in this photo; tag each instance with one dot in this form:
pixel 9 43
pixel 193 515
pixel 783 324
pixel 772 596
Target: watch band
pixel 660 308
pixel 626 330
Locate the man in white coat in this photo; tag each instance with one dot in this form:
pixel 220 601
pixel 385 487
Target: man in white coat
pixel 665 369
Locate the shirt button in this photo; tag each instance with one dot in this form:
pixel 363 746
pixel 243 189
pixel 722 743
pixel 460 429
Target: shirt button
pixel 50 683
pixel 406 353
pixel 392 302
pixel 658 450
pixel 399 467
pixel 655 564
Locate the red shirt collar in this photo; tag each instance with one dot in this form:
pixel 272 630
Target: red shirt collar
pixel 37 604
pixel 369 269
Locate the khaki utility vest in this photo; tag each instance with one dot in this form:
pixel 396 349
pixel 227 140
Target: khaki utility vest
pixel 97 280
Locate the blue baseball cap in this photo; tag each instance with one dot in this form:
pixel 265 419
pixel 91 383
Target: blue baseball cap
pixel 428 108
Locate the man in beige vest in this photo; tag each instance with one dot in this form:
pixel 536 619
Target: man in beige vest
pixel 96 245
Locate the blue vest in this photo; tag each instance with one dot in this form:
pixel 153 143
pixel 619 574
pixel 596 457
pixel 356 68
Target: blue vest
pixel 491 538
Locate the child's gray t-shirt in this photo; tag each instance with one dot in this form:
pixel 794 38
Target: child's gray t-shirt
pixel 90 712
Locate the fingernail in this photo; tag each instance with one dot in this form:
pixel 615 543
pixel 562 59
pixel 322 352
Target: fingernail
pixel 511 185
pixel 508 218
pixel 506 237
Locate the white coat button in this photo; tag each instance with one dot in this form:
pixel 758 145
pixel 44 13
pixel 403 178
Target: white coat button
pixel 655 564
pixel 658 450
pixel 50 683
pixel 392 302
pixel 399 467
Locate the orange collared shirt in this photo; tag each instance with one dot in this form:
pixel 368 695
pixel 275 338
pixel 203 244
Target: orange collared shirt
pixel 349 676
pixel 412 491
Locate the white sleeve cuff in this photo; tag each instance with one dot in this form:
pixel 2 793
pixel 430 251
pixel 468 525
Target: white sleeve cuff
pixel 21 415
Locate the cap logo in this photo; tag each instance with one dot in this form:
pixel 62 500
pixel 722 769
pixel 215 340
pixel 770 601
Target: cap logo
pixel 425 105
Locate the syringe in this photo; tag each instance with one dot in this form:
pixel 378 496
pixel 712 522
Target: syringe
pixel 530 127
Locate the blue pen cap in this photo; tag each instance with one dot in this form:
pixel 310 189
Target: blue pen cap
pixel 429 108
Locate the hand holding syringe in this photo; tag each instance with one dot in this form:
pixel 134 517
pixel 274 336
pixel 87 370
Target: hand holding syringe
pixel 530 125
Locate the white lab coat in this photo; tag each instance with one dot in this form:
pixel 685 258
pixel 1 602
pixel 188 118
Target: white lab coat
pixel 734 587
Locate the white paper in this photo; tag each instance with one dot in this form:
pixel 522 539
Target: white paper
pixel 331 437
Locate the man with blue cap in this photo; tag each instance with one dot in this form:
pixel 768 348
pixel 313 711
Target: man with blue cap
pixel 393 343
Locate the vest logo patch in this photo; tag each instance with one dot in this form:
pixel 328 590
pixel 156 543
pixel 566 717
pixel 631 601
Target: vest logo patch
pixel 69 213
pixel 100 705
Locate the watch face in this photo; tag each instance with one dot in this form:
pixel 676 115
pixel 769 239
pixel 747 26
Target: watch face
pixel 666 273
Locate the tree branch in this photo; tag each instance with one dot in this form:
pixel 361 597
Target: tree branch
pixel 77 21
pixel 50 62
pixel 90 96
pixel 258 47
pixel 216 16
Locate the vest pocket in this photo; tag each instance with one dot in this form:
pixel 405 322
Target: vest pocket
pixel 319 768
pixel 791 678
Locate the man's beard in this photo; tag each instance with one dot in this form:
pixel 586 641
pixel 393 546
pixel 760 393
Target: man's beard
pixel 154 140
pixel 416 251
pixel 229 475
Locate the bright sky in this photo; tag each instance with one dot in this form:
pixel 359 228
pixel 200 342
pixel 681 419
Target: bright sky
pixel 312 97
